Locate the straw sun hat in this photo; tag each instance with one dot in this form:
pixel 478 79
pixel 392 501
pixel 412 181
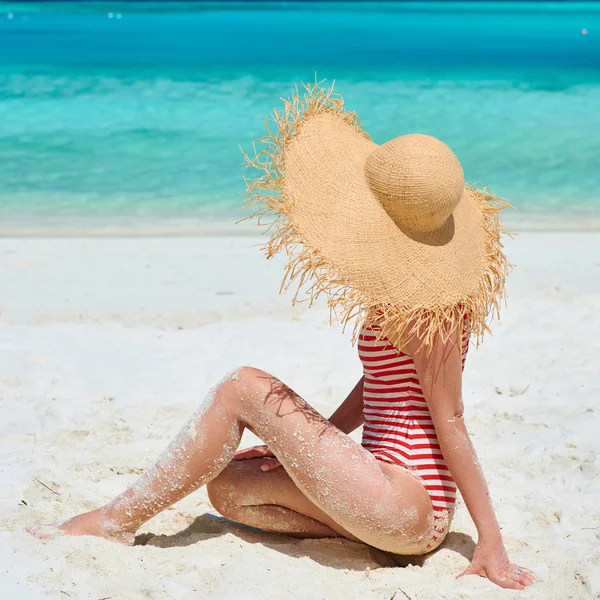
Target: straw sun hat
pixel 389 232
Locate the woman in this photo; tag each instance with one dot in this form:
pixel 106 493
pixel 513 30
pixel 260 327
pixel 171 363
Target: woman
pixel 397 242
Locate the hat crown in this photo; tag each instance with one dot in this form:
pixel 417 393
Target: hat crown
pixel 417 179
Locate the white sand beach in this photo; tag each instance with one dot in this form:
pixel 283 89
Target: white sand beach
pixel 108 344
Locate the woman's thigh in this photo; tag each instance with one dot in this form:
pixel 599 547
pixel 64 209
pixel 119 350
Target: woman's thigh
pixel 382 505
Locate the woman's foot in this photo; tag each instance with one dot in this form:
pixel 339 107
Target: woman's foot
pixel 94 523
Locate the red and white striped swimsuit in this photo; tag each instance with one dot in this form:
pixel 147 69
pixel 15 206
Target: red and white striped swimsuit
pixel 398 427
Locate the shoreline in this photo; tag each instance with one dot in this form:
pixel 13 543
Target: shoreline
pixel 250 229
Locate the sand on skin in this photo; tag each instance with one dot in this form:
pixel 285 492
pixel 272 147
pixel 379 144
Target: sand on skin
pixel 107 346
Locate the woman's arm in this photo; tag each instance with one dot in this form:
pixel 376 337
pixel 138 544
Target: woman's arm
pixel 440 375
pixel 349 414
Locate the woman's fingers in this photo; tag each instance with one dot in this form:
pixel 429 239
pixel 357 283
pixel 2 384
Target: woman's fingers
pixel 254 452
pixel 511 580
pixel 470 570
pixel 523 576
pixel 511 584
pixel 506 575
pixel 270 464
pixel 246 453
pixel 517 578
pixel 259 452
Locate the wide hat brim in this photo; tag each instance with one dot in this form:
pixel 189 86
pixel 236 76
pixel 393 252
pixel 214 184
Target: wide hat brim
pixel 339 237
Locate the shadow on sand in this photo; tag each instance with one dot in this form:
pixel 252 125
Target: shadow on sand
pixel 338 553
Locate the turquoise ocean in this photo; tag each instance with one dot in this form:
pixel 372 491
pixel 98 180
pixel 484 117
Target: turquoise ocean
pixel 130 115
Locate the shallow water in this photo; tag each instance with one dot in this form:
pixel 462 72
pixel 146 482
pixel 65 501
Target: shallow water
pixel 131 115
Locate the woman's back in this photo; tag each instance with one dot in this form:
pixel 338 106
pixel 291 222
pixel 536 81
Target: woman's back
pixel 398 427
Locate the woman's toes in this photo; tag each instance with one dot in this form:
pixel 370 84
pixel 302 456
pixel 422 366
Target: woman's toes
pixel 45 532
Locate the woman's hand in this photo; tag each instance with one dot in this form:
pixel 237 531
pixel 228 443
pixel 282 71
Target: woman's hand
pixel 491 561
pixel 270 462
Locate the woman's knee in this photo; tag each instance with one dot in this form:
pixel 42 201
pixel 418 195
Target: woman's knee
pixel 240 387
pixel 223 493
pixel 246 375
pixel 250 384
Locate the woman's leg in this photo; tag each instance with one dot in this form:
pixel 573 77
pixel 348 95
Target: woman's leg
pixel 270 501
pixel 335 473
